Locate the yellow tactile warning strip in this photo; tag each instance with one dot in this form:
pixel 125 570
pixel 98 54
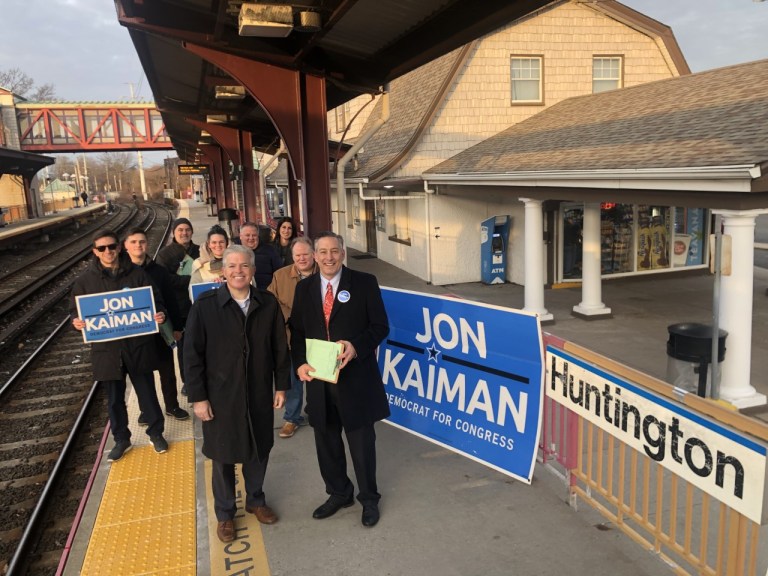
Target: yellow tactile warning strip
pixel 246 554
pixel 146 522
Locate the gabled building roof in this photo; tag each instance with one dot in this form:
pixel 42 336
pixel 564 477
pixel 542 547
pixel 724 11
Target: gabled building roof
pixel 710 119
pixel 414 99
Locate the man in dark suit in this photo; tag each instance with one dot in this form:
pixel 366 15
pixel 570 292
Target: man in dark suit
pixel 342 305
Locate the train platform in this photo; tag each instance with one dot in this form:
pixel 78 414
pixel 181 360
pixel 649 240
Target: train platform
pixel 20 231
pixel 441 513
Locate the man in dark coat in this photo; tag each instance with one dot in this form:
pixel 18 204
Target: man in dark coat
pixel 135 247
pixel 235 347
pixel 266 257
pixel 112 359
pixel 342 305
pixel 173 257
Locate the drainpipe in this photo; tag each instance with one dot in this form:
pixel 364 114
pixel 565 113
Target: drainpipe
pixel 341 195
pixel 263 180
pixel 428 229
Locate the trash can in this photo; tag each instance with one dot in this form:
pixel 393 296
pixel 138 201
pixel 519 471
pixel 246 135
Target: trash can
pixel 689 355
pixel 211 201
pixel 229 219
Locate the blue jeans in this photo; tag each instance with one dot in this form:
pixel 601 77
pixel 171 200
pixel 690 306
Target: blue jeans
pixel 294 398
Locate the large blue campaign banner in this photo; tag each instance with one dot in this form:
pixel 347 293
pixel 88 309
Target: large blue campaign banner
pixel 466 376
pixel 118 314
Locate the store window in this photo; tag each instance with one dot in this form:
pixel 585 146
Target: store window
pixel 688 242
pixel 649 229
pixel 653 248
pixel 572 242
pixel 616 238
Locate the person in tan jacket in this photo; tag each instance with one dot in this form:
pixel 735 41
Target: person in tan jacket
pixel 283 286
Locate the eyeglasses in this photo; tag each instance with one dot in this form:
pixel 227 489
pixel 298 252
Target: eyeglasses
pixel 110 247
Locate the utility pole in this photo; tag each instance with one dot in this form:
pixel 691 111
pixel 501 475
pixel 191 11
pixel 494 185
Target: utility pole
pixel 85 175
pixel 139 159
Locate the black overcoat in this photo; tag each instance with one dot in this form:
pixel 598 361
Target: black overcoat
pixel 231 360
pixel 136 354
pixel 362 320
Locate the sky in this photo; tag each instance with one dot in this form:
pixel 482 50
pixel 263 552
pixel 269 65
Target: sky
pixel 79 47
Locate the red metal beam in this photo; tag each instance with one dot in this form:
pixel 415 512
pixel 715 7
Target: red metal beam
pixel 295 103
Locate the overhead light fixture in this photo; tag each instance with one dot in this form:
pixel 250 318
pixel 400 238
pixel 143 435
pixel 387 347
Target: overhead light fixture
pixel 309 22
pixel 265 20
pixel 230 92
pixel 216 118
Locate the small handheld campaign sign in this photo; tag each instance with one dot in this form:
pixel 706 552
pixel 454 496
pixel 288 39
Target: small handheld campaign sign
pixel 196 289
pixel 116 315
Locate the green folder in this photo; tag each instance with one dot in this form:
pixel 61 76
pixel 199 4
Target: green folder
pixel 323 356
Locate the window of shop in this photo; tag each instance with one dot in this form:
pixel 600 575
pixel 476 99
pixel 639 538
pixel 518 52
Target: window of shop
pixel 690 234
pixel 653 250
pixel 616 238
pixel 636 238
pixel 526 80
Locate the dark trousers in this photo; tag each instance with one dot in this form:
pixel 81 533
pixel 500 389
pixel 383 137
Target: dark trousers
pixel 167 371
pixel 223 485
pixel 144 385
pixel 180 356
pixel 332 458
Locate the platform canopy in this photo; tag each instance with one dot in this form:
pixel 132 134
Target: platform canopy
pixel 354 45
pixel 20 163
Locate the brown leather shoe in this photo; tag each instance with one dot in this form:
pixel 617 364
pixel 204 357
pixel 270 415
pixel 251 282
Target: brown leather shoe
pixel 264 514
pixel 226 531
pixel 288 430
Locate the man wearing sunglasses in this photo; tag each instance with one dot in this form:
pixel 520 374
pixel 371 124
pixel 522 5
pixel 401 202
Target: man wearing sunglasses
pixel 112 360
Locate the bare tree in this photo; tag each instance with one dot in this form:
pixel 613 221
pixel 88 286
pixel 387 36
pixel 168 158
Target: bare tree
pixel 15 80
pixel 43 93
pixel 19 82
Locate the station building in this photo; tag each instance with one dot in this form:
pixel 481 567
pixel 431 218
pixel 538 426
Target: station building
pixel 397 208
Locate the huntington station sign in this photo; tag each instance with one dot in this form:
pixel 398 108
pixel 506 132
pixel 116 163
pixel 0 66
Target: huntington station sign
pixel 724 463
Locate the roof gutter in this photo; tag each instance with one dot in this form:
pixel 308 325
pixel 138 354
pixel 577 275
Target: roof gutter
pixel 341 196
pixel 729 178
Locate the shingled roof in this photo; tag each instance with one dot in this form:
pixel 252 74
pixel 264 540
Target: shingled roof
pixel 414 99
pixel 713 118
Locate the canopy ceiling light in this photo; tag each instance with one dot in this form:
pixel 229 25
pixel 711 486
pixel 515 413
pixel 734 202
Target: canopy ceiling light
pixel 230 92
pixel 309 22
pixel 265 20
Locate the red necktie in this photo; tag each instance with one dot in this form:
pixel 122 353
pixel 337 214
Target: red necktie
pixel 328 304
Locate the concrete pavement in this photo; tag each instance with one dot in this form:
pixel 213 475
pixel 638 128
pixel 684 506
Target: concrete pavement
pixel 444 514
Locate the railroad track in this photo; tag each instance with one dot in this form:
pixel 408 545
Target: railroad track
pixel 52 420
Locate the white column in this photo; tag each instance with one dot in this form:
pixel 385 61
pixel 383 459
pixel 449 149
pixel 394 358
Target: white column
pixel 591 281
pixel 736 310
pixel 534 260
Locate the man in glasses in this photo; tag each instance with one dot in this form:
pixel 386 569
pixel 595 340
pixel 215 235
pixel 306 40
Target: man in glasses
pixel 136 356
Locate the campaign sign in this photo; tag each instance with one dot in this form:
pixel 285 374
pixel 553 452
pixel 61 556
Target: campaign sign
pixel 466 376
pixel 196 289
pixel 119 314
